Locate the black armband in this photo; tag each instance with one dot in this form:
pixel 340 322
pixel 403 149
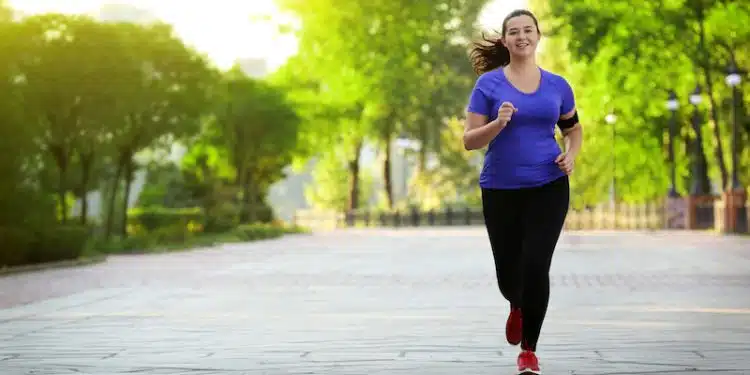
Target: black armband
pixel 569 122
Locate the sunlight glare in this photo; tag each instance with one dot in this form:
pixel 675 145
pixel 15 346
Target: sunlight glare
pixel 491 17
pixel 222 29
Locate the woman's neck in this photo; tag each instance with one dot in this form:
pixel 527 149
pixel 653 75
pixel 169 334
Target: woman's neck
pixel 522 66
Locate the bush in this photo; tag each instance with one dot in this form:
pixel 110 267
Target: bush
pixel 222 218
pixel 119 245
pixel 179 237
pixel 175 234
pixel 15 246
pixel 28 246
pixel 153 218
pixel 62 242
pixel 261 231
pixel 252 232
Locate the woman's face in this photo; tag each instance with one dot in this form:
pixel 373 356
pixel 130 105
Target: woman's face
pixel 521 36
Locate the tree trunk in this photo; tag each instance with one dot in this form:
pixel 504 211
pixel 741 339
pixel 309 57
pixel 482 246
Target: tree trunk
pixel 354 189
pixel 242 181
pixel 690 156
pixel 61 156
pixel 259 201
pixel 111 201
pixel 246 198
pixel 87 160
pixel 61 192
pixel 250 197
pixel 128 166
pixel 705 67
pixel 387 178
pixel 719 151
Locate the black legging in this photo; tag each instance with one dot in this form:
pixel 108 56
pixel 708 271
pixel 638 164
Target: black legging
pixel 524 226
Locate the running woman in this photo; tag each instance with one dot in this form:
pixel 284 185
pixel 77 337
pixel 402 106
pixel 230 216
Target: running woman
pixel 513 110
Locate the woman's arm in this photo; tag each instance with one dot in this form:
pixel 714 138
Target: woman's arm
pixel 478 132
pixel 573 135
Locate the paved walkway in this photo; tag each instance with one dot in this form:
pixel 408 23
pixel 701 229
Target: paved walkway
pixel 409 301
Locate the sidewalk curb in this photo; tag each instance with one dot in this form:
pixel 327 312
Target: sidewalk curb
pixel 85 261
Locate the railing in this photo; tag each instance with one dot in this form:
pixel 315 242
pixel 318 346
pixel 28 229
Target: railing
pixel 695 213
pixel 634 217
pixel 621 216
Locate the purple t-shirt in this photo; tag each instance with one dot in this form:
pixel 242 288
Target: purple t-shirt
pixel 523 154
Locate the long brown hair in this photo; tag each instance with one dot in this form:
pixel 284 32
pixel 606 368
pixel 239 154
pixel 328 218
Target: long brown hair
pixel 490 54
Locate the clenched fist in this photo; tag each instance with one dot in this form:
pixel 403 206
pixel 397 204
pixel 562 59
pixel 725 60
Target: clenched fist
pixel 505 112
pixel 566 162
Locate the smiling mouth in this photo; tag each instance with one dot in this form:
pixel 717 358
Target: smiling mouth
pixel 522 45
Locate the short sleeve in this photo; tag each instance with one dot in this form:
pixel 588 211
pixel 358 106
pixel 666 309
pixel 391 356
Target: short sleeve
pixel 568 98
pixel 479 100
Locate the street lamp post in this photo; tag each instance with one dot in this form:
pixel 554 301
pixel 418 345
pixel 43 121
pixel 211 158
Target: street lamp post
pixel 672 104
pixel 733 79
pixel 736 203
pixel 611 119
pixel 699 159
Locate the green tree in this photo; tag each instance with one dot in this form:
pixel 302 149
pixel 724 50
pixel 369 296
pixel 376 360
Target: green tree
pixel 625 59
pixel 208 176
pixel 396 67
pixel 258 127
pixel 53 75
pixel 21 201
pixel 166 96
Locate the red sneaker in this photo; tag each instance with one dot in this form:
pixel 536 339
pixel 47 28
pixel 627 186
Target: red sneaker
pixel 514 326
pixel 528 364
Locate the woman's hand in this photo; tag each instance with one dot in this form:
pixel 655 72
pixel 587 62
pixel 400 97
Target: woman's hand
pixel 505 112
pixel 566 162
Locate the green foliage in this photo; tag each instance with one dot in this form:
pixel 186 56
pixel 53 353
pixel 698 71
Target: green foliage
pixel 74 117
pixel 454 178
pixel 46 244
pixel 367 71
pixel 256 125
pixel 152 218
pixel 16 244
pixel 222 217
pixel 65 242
pixel 254 232
pixel 331 184
pixel 622 59
pixel 174 238
pixel 166 186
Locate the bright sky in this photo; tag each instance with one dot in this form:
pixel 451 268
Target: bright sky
pixel 494 12
pixel 223 29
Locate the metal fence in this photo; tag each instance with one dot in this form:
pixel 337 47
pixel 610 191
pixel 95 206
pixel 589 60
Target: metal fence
pixel 704 215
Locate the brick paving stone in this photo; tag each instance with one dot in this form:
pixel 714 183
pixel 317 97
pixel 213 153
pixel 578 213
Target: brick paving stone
pixel 384 301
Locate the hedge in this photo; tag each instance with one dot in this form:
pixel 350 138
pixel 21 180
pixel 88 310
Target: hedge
pixel 153 218
pixel 181 237
pixel 259 231
pixel 19 246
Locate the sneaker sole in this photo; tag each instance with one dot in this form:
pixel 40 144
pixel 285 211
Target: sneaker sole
pixel 529 372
